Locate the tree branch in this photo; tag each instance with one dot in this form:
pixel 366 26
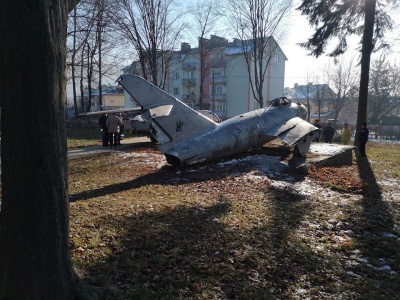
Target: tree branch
pixel 71 4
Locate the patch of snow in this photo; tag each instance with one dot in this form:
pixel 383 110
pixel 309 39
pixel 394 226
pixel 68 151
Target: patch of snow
pixel 390 182
pixel 390 235
pixel 385 268
pixel 301 291
pixel 363 260
pixel 353 274
pixel 328 149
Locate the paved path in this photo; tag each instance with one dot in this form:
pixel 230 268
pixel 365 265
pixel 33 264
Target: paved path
pixel 84 151
pixel 90 150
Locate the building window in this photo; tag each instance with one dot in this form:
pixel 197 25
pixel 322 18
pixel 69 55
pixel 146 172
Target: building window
pixel 220 105
pixel 176 91
pixel 176 76
pixel 217 72
pixel 275 56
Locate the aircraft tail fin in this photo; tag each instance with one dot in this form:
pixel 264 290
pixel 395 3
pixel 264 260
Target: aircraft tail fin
pixel 171 120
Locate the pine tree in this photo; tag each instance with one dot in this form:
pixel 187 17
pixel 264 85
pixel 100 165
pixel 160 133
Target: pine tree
pixel 341 19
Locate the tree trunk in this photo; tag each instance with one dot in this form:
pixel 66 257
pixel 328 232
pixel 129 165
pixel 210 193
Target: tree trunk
pixel 73 65
pixel 34 256
pixel 367 46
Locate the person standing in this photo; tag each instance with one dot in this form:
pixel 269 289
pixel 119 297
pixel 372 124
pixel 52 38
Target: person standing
pixel 121 129
pixel 317 135
pixel 363 138
pixel 328 133
pixel 346 134
pixel 104 129
pixel 113 123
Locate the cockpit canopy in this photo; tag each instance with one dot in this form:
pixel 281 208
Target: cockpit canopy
pixel 280 101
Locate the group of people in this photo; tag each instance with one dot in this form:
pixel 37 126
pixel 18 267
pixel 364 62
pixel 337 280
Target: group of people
pixel 112 127
pixel 328 132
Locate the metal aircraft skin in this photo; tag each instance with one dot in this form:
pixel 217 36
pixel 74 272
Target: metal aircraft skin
pixel 186 137
pixel 111 111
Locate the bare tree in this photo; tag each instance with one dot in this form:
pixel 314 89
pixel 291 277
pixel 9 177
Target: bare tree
pixel 91 30
pixel 73 20
pixel 320 97
pixel 34 257
pixel 206 14
pixel 311 94
pixel 343 79
pixel 384 89
pixel 84 43
pixel 259 24
pixel 152 28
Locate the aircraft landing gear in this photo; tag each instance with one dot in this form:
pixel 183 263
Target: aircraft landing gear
pixel 301 148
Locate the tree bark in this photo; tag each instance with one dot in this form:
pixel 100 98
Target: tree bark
pixel 367 46
pixel 34 256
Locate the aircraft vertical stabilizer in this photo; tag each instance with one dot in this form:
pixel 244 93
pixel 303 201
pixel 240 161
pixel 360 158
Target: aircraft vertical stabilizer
pixel 171 120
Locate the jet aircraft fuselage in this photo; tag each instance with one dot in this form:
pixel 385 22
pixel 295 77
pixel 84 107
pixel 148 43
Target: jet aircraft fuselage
pixel 186 137
pixel 234 135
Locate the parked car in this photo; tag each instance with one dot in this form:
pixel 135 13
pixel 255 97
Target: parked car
pixel 335 122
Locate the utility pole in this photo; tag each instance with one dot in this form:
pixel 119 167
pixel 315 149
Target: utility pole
pixel 213 92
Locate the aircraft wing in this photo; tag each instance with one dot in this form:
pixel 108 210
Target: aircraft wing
pixel 111 111
pixel 291 131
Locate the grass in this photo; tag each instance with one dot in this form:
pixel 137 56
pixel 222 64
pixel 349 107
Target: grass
pixel 141 232
pixel 83 138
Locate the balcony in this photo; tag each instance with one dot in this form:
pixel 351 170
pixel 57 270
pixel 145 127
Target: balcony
pixel 218 97
pixel 189 82
pixel 217 79
pixel 218 63
pixel 189 66
pixel 187 96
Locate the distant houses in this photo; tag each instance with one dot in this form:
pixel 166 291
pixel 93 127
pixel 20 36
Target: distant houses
pixel 315 98
pixel 112 98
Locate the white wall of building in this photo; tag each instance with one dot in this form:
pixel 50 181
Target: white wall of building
pixel 237 86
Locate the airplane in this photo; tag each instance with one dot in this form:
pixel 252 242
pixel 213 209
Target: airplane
pixel 186 137
pixel 111 111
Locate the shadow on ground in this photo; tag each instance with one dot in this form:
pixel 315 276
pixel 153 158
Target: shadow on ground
pixel 188 253
pixel 371 222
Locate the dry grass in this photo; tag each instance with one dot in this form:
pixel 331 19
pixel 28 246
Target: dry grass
pixel 143 232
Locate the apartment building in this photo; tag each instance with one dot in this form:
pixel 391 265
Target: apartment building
pixel 215 76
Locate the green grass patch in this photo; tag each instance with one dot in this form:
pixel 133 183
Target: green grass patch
pixel 81 138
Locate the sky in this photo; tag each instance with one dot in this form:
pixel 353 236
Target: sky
pixel 300 67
